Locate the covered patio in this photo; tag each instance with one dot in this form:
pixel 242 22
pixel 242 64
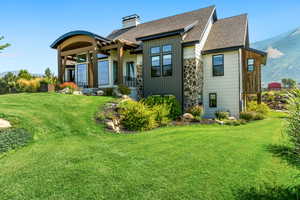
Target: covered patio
pixel 82 58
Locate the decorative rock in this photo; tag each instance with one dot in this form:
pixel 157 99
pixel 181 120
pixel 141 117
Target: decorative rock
pixel 220 122
pixel 77 93
pixel 188 116
pixel 4 124
pixel 65 91
pixel 110 125
pixel 231 118
pixel 116 93
pixel 100 93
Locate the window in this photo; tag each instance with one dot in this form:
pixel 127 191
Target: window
pixel 218 65
pixel 81 75
pixel 250 65
pixel 155 50
pixel 81 58
pixel 130 70
pixel 167 65
pixel 167 48
pixel 155 66
pixel 213 100
pixel 103 72
pixel 115 72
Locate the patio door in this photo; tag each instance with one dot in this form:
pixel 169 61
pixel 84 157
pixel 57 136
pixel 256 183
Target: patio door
pixel 81 71
pixel 103 72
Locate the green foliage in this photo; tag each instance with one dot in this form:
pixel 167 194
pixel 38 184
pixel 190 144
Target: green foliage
pixel 293 120
pixel 221 115
pixel 136 116
pixel 289 83
pixel 48 73
pixel 235 122
pixel 108 91
pixel 259 116
pixel 24 74
pixel 123 89
pixel 169 100
pixel 196 110
pixel 262 108
pixel 100 116
pixel 248 116
pixel 4 45
pixel 161 112
pixel 13 138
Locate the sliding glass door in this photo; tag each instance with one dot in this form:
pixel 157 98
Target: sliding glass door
pixel 81 78
pixel 103 72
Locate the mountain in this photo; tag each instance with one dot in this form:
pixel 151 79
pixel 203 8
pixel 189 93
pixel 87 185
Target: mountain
pixel 283 56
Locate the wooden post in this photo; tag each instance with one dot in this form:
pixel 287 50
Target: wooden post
pixel 59 66
pixel 95 66
pixel 63 68
pixel 259 98
pixel 90 71
pixel 120 62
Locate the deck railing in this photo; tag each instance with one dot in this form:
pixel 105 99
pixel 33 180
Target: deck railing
pixel 129 81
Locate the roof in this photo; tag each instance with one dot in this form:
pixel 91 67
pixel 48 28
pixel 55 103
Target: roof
pixel 194 23
pixel 228 32
pixel 74 33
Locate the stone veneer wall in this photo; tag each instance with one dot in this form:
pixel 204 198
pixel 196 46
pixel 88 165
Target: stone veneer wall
pixel 139 81
pixel 192 82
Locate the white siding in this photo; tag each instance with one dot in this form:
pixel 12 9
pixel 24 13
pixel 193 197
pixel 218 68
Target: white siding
pixel 189 52
pixel 227 87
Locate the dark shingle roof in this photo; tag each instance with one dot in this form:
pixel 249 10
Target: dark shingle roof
pixel 198 17
pixel 227 32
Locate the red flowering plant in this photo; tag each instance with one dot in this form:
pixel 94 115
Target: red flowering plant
pixel 69 85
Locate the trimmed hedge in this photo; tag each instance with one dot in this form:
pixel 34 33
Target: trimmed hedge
pixel 13 139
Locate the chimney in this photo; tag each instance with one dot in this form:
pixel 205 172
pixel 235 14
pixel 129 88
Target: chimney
pixel 130 21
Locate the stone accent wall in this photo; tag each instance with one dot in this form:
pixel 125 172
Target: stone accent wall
pixel 192 82
pixel 139 81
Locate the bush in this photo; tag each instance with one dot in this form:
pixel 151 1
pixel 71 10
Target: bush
pixel 13 138
pixel 262 108
pixel 108 91
pixel 222 115
pixel 259 116
pixel 69 85
pixel 100 116
pixel 32 85
pixel 123 89
pixel 161 113
pixel 235 122
pixel 248 116
pixel 169 100
pixel 293 120
pixel 136 116
pixel 196 110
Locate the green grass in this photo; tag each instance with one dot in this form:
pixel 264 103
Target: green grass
pixel 73 158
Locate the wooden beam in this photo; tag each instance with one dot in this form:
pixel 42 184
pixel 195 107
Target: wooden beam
pixel 120 55
pixel 112 46
pixel 59 66
pixel 76 51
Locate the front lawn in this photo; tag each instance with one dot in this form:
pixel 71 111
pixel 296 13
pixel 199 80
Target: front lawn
pixel 73 158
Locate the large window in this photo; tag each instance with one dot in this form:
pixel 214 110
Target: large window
pixel 103 72
pixel 155 66
pixel 161 60
pixel 81 75
pixel 218 65
pixel 213 100
pixel 250 65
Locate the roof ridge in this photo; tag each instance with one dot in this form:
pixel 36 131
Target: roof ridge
pixel 243 14
pixel 212 6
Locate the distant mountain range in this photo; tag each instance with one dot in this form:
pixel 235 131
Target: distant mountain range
pixel 283 56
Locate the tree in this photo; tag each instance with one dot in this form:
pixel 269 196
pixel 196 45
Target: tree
pixel 284 82
pixel 24 74
pixel 289 83
pixel 48 73
pixel 4 45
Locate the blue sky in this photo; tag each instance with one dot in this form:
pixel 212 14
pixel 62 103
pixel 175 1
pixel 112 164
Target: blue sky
pixel 32 25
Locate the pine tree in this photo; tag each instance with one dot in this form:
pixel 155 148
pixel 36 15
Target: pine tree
pixel 4 45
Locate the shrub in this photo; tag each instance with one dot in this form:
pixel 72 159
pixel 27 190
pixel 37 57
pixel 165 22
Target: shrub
pixel 32 85
pixel 123 89
pixel 262 108
pixel 136 116
pixel 248 116
pixel 100 116
pixel 161 113
pixel 69 85
pixel 196 110
pixel 235 122
pixel 221 115
pixel 169 100
pixel 293 120
pixel 13 138
pixel 108 91
pixel 259 116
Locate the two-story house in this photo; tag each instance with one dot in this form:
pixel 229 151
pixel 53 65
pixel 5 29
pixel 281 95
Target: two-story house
pixel 195 56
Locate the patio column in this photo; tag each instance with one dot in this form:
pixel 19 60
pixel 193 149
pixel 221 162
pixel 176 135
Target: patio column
pixel 95 66
pixel 59 66
pixel 120 55
pixel 259 98
pixel 90 70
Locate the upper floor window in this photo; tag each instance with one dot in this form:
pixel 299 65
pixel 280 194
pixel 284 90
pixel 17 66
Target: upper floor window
pixel 161 60
pixel 218 65
pixel 250 64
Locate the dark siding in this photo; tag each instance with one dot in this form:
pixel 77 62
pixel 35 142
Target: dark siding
pixel 164 85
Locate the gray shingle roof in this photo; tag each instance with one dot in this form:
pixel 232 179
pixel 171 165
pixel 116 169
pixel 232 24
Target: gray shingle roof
pixel 227 32
pixel 169 24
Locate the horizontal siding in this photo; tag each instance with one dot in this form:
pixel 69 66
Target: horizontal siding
pixel 227 87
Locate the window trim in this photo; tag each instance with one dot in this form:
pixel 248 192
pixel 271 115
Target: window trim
pixel 213 64
pixel 250 65
pixel 209 100
pixel 161 54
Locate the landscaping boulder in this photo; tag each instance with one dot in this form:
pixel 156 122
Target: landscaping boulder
pixel 65 91
pixel 188 116
pixel 4 124
pixel 116 93
pixel 99 93
pixel 232 118
pixel 220 122
pixel 77 93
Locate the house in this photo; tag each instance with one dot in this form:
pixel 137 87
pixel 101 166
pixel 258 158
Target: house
pixel 195 56
pixel 274 86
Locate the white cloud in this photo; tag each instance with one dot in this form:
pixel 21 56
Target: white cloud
pixel 274 53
